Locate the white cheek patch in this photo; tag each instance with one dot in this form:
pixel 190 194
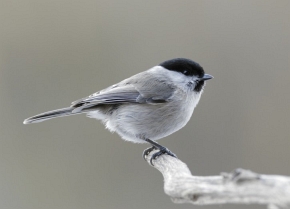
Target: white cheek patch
pixel 187 83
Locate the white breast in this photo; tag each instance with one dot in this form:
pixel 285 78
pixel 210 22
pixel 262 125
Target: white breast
pixel 135 122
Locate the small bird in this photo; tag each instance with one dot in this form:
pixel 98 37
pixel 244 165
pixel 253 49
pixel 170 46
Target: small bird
pixel 145 107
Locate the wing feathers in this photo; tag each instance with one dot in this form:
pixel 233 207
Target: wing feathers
pixel 138 92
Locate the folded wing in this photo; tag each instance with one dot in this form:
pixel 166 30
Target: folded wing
pixel 124 94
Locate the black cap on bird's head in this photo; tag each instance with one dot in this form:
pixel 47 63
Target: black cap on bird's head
pixel 184 66
pixel 188 68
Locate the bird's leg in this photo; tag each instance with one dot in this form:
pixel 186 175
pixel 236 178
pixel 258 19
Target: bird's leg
pixel 162 150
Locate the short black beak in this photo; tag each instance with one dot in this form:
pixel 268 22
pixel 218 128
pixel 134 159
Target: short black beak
pixel 206 77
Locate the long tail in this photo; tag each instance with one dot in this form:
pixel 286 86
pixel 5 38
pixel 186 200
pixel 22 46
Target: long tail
pixel 51 114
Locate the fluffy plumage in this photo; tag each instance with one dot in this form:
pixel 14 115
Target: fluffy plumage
pixel 150 105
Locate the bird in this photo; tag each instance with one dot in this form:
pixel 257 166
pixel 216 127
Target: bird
pixel 145 107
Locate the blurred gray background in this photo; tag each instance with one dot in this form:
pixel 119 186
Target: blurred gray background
pixel 54 52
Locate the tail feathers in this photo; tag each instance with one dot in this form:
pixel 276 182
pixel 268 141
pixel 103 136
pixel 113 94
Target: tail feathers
pixel 49 115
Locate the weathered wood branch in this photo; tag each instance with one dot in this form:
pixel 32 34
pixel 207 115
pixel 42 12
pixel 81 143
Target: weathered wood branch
pixel 240 186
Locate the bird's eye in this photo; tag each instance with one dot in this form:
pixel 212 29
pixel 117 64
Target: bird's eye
pixel 185 72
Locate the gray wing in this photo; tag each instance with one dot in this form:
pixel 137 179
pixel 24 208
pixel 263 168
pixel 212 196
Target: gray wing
pixel 150 92
pixel 112 96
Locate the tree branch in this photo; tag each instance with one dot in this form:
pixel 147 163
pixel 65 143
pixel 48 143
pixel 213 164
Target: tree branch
pixel 240 186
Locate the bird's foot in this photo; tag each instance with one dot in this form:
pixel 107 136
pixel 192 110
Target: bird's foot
pixel 156 146
pixel 161 151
